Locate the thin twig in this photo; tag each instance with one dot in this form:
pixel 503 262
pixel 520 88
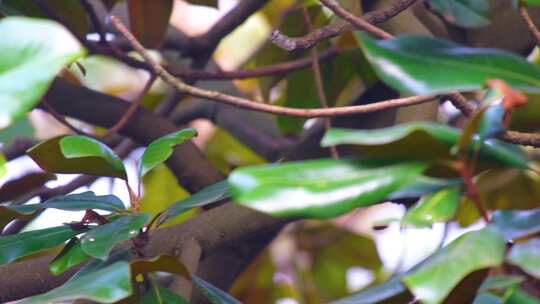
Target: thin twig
pixel 62 119
pixel 530 24
pixel 335 29
pixel 520 138
pixel 358 22
pixel 319 85
pixel 252 105
pixel 132 108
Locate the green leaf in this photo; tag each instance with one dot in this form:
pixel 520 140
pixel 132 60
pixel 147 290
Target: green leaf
pixel 3 169
pixel 106 285
pixel 527 256
pixel 160 295
pixel 160 149
pixel 465 13
pixel 472 251
pixel 320 188
pixel 94 265
pixel 162 263
pixel 212 293
pixel 375 294
pixel 33 52
pixel 500 282
pixel 20 128
pixel 73 202
pixel 492 121
pixel 437 207
pixel 149 20
pixel 517 223
pixel 390 142
pixel 518 296
pixel 488 298
pixel 99 241
pixel 71 255
pixel 77 154
pixel 207 195
pixel 423 185
pixel 25 243
pixel 425 65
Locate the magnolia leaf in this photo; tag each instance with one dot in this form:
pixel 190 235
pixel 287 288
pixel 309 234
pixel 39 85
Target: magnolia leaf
pixel 25 243
pixel 71 255
pixel 320 188
pixel 440 206
pixel 389 142
pixel 516 224
pixel 526 256
pixel 472 251
pixel 426 65
pixel 212 293
pixel 465 13
pixel 105 285
pixel 160 149
pixel 33 52
pixel 73 202
pixel 211 194
pixel 99 241
pixel 77 154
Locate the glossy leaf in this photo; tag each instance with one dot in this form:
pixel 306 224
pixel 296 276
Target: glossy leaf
pixel 73 202
pixel 439 137
pixel 320 188
pixel 25 243
pixel 160 149
pixel 472 251
pixel 423 185
pixel 488 298
pixel 211 194
pixel 106 285
pixel 527 256
pixel 20 128
pixel 212 293
pixel 94 265
pixel 71 255
pixel 425 65
pixel 77 154
pixel 518 296
pixel 465 13
pixel 517 223
pixel 437 207
pixel 33 52
pixel 99 241
pixel 376 294
pixel 149 20
pixel 500 282
pixel 160 295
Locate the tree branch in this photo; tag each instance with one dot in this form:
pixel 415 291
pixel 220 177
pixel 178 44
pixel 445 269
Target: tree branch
pixel 530 24
pixel 190 166
pixel 252 105
pixel 338 28
pixel 358 22
pixel 519 138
